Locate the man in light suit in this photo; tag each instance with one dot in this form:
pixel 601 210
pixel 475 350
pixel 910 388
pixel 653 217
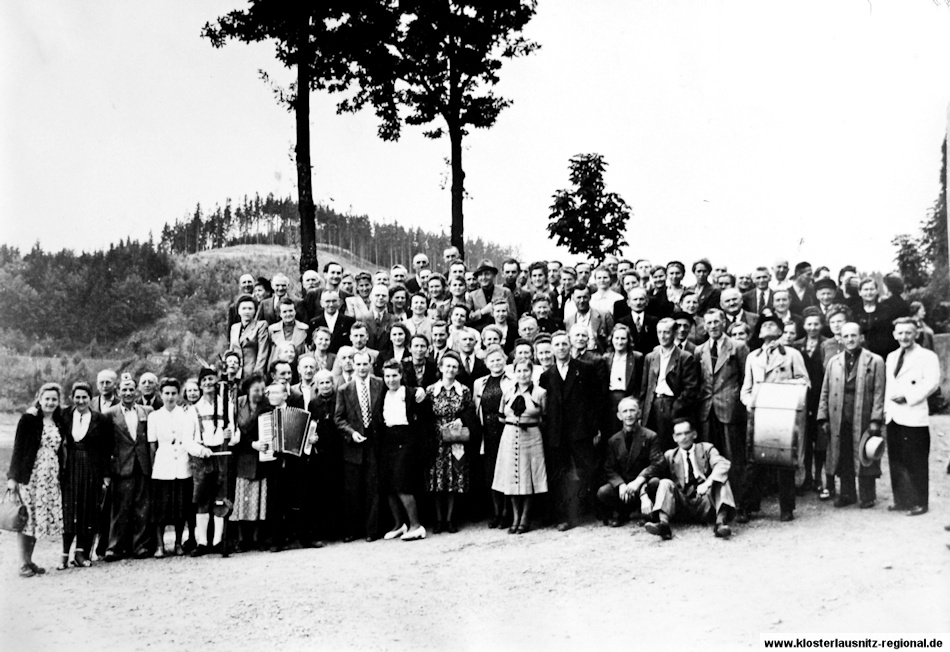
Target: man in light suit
pixel 722 365
pixel 486 293
pixel 598 324
pixel 760 296
pixel 693 485
pixel 355 403
pixel 288 329
pixel 913 374
pixel 333 320
pixel 852 402
pixel 671 384
pixel 131 472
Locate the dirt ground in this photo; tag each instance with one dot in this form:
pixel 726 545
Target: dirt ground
pixel 830 571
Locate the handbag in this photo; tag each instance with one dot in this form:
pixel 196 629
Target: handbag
pixel 13 513
pixel 455 433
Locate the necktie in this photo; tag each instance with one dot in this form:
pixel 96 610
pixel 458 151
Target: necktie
pixel 639 321
pixel 690 473
pixel 761 305
pixel 900 363
pixel 714 351
pixel 468 363
pixel 364 402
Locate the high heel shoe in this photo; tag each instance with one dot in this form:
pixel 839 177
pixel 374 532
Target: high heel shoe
pixel 396 533
pixel 63 561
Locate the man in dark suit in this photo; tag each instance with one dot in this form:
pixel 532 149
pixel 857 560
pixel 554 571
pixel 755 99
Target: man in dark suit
pixel 355 403
pixel 246 285
pixel 576 402
pixel 510 271
pixel 106 384
pixel 801 292
pixel 721 415
pixel 333 320
pixel 313 299
pixel 671 384
pixel 760 296
pixel 131 472
pixel 633 454
pixel 269 309
pixel 419 263
pixel 642 326
pixel 380 320
pixel 148 396
pixel 471 367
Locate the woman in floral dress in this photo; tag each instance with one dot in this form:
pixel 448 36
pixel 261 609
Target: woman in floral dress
pixel 38 457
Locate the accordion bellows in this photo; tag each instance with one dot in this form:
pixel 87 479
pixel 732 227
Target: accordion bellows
pixel 284 431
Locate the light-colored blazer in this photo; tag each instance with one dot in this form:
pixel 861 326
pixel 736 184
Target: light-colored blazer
pixel 253 344
pixel 358 309
pixel 600 323
pixel 918 378
pixel 298 338
pixel 479 301
pixel 479 388
pixel 785 365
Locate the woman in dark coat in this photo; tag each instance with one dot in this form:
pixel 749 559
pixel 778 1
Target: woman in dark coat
pixel 35 466
pixel 89 443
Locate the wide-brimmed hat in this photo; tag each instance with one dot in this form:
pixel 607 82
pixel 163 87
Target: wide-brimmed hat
pixel 870 448
pixel 485 265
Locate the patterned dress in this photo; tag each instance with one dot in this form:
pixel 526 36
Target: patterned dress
pixel 449 471
pixel 42 495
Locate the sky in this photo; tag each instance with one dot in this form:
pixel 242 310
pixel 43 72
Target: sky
pixel 741 131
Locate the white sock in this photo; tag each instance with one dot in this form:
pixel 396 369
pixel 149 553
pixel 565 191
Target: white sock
pixel 218 529
pixel 201 527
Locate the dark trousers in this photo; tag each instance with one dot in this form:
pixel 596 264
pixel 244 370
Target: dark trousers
pixel 361 496
pixel 570 465
pixel 130 531
pixel 326 473
pixel 730 440
pixel 758 475
pixel 866 490
pixel 609 496
pixel 288 492
pixel 661 421
pixel 104 521
pixel 908 449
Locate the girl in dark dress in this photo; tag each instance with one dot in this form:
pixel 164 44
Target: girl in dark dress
pixel 400 475
pixel 875 320
pixel 88 441
pixel 488 391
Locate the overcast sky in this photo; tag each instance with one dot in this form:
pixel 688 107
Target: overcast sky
pixel 737 130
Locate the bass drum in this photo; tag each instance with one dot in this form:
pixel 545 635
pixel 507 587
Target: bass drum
pixel 778 424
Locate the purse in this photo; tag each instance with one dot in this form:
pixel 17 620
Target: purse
pixel 455 433
pixel 13 513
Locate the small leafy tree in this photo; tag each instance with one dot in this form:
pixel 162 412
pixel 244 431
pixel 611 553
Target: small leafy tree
pixel 586 219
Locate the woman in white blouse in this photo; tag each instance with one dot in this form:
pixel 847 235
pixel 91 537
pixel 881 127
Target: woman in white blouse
pixel 400 469
pixel 88 451
pixel 168 429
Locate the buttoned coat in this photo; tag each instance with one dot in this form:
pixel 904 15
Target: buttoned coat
pixel 918 378
pixel 868 373
pixel 299 337
pixel 253 344
pixel 348 417
pixel 722 382
pixel 682 375
pixel 129 446
pixel 643 458
pixel 633 375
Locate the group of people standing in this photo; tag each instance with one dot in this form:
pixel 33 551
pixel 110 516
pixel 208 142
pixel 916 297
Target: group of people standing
pixel 559 392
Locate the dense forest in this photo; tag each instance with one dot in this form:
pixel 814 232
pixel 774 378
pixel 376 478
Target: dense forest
pixel 272 220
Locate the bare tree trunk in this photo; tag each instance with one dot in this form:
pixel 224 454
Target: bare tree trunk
pixel 458 190
pixel 308 229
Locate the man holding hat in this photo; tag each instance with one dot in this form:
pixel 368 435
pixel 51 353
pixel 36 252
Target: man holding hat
pixel 486 293
pixel 850 413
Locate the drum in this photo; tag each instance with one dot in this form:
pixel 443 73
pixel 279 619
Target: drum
pixel 778 424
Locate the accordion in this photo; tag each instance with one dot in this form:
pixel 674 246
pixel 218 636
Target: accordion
pixel 284 431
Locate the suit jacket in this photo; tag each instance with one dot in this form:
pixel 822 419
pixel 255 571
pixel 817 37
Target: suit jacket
pixel 642 458
pixel 340 334
pixel 750 318
pixel 522 302
pixel 271 315
pixel 868 376
pixel 312 306
pixel 797 303
pixel 644 340
pixel 430 374
pixel 918 378
pixel 299 337
pixel 708 298
pixel 253 343
pixel 379 332
pixel 576 404
pixel 682 375
pixel 750 299
pixel 129 447
pixel 634 372
pixel 98 404
pixel 348 418
pixel 710 464
pixel 722 382
pixel 783 365
pixel 479 301
pixel 156 403
pixel 660 305
pixel 600 323
pixel 478 370
pixel 26 445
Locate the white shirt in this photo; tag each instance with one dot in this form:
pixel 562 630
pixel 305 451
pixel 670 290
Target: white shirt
pixel 170 429
pixel 394 408
pixel 562 368
pixel 331 320
pixel 691 456
pixel 637 319
pixel 604 301
pixel 618 373
pixel 780 285
pixel 131 420
pixel 81 424
pixel 662 388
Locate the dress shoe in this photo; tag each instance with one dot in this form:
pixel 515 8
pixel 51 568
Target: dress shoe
pixel 189 545
pixel 372 538
pixel 867 504
pixel 564 527
pixel 493 522
pixel 112 556
pixel 179 551
pixel 349 538
pixel 220 549
pixel 896 508
pixel 917 511
pixel 785 517
pixel 26 571
pixel 277 547
pixel 742 517
pixel 319 544
pixel 661 530
pixel 80 560
pixel 141 554
pixel 513 529
pixel 438 527
pixel 451 528
pixel 199 551
pixel 722 531
pixel 614 522
pixel 395 534
pixel 414 535
pixel 841 501
pixel 523 529
pixel 160 553
pixel 39 570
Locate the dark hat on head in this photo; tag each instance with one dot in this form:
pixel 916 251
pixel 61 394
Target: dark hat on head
pixel 825 284
pixel 485 265
pixel 682 314
pixel 773 318
pixel 206 371
pixel 801 267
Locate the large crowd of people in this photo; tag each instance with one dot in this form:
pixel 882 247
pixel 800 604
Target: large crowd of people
pixel 528 396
